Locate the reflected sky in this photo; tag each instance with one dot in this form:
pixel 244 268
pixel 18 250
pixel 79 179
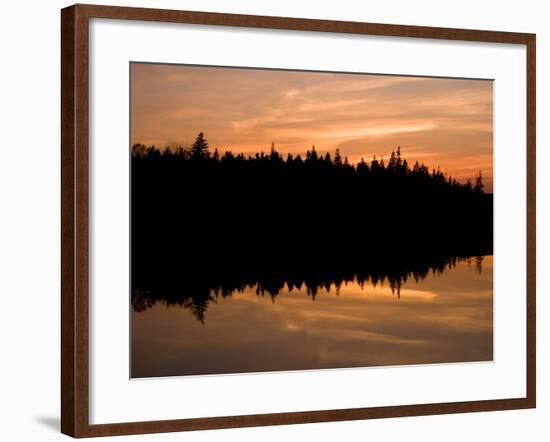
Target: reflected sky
pixel 443 318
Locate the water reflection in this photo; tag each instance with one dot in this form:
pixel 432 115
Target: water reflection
pixel 443 314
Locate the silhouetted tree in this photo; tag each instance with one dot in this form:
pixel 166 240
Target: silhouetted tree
pixel 138 150
pixel 313 156
pixel 338 159
pixel 199 149
pixel 216 155
pixel 478 187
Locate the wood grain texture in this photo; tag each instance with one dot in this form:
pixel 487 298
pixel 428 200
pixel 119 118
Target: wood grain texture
pixel 531 221
pixel 75 219
pixel 68 344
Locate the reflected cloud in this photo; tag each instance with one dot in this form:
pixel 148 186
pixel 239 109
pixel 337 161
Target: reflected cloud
pixel 445 317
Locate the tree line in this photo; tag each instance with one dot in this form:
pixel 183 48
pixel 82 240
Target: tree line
pixel 202 220
pixel 396 167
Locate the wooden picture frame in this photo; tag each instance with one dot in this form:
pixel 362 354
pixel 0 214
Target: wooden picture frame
pixel 75 219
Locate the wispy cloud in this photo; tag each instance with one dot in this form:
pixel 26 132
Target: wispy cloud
pixel 445 122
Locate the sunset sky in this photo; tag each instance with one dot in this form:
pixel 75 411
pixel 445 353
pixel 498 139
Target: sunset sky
pixel 441 122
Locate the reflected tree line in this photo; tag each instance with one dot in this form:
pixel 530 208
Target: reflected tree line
pixel 197 296
pixel 206 224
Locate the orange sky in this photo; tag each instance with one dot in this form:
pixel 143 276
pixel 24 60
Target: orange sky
pixel 441 122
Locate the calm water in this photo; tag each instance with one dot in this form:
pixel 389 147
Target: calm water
pixel 445 317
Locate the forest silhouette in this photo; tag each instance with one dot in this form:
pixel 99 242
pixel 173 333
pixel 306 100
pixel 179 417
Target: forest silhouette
pixel 207 224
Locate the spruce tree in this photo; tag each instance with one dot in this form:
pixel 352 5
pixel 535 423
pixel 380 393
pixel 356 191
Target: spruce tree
pixel 200 147
pixel 338 159
pixel 478 188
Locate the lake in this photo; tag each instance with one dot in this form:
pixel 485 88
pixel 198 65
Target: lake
pixel 445 316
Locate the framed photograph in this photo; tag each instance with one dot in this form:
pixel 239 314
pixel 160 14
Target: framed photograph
pixel 273 220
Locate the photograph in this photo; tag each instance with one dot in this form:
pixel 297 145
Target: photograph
pixel 305 220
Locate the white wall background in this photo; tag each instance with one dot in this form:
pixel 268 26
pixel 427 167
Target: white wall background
pixel 29 217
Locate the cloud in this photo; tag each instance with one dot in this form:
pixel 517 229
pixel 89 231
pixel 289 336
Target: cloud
pixel 446 122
